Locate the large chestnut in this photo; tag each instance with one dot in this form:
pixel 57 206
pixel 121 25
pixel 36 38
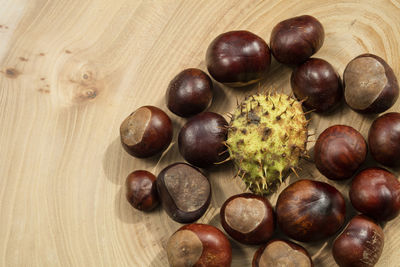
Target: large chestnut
pixel 238 58
pixel 370 85
pixel 184 192
pixel 309 210
pixel 339 152
pixel 201 139
pixel 199 245
pixel 248 218
pixel 146 132
pixel 318 83
pixel 141 190
pixel 360 244
pixel 375 192
pixel 190 92
pixel 296 39
pixel 384 139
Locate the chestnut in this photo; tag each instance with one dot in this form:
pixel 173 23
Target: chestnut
pixel 201 139
pixel 248 218
pixel 199 245
pixel 309 210
pixel 184 192
pixel 141 190
pixel 375 192
pixel 296 39
pixel 360 244
pixel 384 139
pixel 370 85
pixel 189 93
pixel 339 152
pixel 279 252
pixel 238 58
pixel 146 132
pixel 318 83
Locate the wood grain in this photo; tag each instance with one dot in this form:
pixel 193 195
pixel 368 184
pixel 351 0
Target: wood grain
pixel 71 71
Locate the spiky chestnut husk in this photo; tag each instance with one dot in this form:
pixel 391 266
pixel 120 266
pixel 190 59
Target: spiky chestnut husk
pixel 266 137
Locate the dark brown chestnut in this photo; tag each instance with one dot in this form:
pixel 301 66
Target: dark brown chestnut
pixel 375 192
pixel 370 85
pixel 309 210
pixel 317 82
pixel 384 139
pixel 201 139
pixel 189 93
pixel 248 218
pixel 279 252
pixel 296 39
pixel 146 132
pixel 199 245
pixel 360 244
pixel 141 190
pixel 339 152
pixel 238 58
pixel 184 192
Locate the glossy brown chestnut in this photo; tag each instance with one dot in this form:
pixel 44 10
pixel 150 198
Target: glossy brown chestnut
pixel 146 132
pixel 318 83
pixel 141 190
pixel 309 210
pixel 248 218
pixel 199 245
pixel 189 93
pixel 339 152
pixel 384 139
pixel 370 85
pixel 184 192
pixel 279 252
pixel 360 244
pixel 296 39
pixel 238 58
pixel 375 192
pixel 201 139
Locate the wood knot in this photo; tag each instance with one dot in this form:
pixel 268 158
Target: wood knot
pixel 12 73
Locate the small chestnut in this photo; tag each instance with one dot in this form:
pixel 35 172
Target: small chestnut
pixel 309 210
pixel 146 132
pixel 360 244
pixel 318 83
pixel 384 139
pixel 296 39
pixel 375 192
pixel 189 93
pixel 199 245
pixel 184 192
pixel 339 152
pixel 238 58
pixel 141 190
pixel 248 218
pixel 370 85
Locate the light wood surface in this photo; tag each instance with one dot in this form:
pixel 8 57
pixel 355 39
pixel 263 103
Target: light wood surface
pixel 71 71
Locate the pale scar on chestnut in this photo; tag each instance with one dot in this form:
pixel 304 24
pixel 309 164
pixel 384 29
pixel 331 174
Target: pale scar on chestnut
pixel 134 127
pixel 281 254
pixel 184 248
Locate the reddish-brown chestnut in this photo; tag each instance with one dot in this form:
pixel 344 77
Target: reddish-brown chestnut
pixel 370 85
pixel 199 245
pixel 141 190
pixel 339 152
pixel 146 132
pixel 238 58
pixel 318 83
pixel 375 192
pixel 309 210
pixel 184 192
pixel 296 39
pixel 248 218
pixel 279 252
pixel 360 244
pixel 384 139
pixel 201 139
pixel 189 93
